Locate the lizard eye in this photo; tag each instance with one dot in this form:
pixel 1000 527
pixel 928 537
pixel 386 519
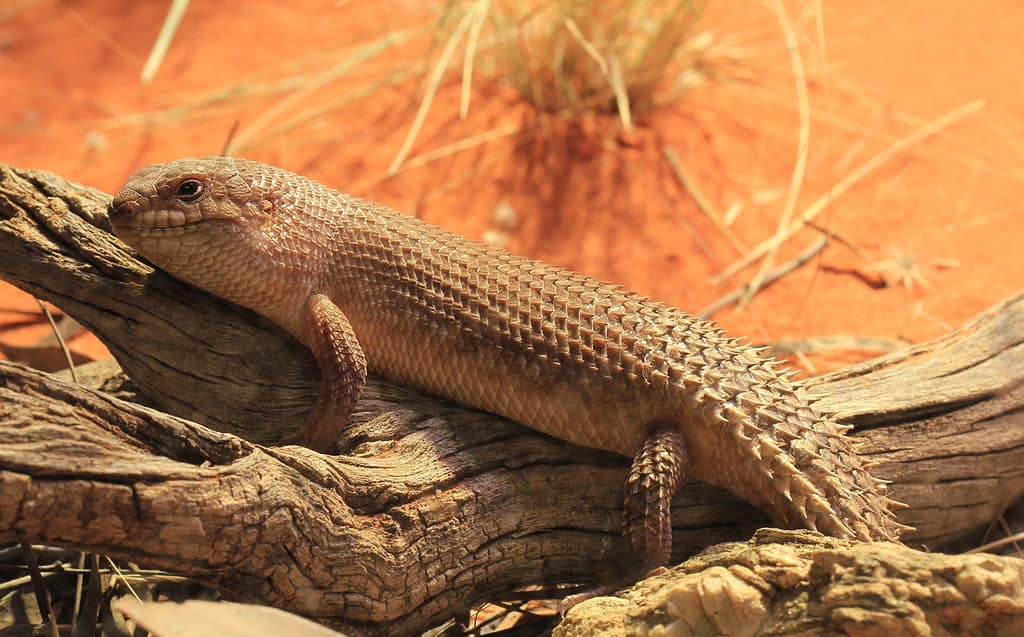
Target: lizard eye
pixel 189 190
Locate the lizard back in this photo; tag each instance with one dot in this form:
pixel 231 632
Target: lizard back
pixel 558 351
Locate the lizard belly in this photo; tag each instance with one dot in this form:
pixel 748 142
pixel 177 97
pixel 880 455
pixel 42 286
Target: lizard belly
pixel 572 404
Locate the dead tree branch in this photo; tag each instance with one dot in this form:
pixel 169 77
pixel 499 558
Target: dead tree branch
pixel 433 507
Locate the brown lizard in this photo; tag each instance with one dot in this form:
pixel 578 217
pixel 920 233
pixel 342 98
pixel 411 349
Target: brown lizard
pixel 365 287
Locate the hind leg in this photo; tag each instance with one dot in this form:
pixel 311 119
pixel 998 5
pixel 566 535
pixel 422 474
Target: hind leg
pixel 657 471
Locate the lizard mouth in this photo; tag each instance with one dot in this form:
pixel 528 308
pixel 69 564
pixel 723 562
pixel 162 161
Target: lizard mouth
pixel 152 231
pixel 127 218
pixel 132 214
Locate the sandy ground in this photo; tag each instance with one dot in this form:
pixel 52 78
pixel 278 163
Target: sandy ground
pixel 941 220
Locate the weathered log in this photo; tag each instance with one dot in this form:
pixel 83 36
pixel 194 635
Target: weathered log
pixel 801 583
pixel 433 506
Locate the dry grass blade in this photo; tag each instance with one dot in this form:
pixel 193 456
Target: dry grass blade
pixel 836 343
pixel 610 69
pixel 432 85
pixel 75 16
pixel 230 136
pixel 479 17
pixel 850 181
pixel 799 169
pixel 121 576
pixel 698 197
pixel 953 150
pixel 320 109
pixel 463 144
pixel 621 92
pixel 163 40
pixel 345 65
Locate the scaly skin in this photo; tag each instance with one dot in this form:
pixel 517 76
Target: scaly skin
pixel 364 286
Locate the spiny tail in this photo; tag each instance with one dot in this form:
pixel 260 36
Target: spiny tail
pixel 814 468
pixel 818 479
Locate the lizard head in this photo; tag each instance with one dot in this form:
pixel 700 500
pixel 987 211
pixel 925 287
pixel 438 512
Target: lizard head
pixel 230 226
pixel 165 210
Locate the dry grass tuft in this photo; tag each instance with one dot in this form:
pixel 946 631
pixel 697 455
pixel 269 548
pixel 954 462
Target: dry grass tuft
pixel 575 56
pixel 569 57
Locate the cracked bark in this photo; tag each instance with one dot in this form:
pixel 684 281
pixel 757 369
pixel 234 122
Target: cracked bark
pixel 433 507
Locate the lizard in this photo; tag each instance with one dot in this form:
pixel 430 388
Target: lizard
pixel 368 289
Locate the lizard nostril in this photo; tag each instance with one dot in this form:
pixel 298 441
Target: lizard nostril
pixel 122 209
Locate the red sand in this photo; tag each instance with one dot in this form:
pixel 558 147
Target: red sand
pixel 583 198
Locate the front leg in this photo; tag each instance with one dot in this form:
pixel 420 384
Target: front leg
pixel 329 335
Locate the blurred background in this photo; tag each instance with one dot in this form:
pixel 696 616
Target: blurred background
pixel 658 145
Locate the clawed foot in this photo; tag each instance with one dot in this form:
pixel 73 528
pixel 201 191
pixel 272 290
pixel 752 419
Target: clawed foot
pixel 598 591
pixel 570 601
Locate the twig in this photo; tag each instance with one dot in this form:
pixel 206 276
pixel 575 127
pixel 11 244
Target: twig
pixel 854 248
pixel 60 339
pixel 985 548
pixel 817 246
pixel 698 198
pixel 87 614
pixel 42 595
pixel 79 585
pixel 851 180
